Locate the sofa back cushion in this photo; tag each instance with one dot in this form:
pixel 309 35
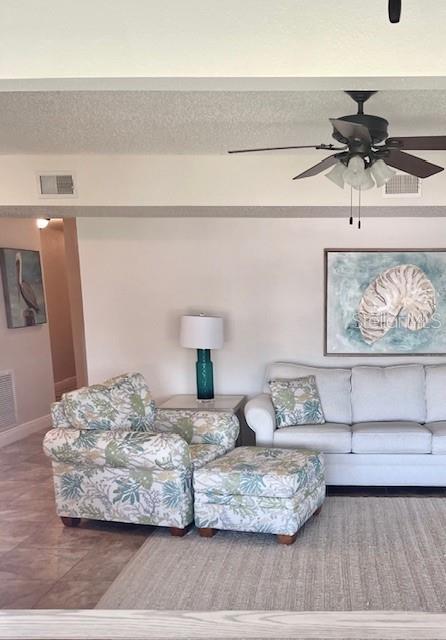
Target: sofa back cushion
pixel 123 402
pixel 334 386
pixel 435 392
pixel 388 393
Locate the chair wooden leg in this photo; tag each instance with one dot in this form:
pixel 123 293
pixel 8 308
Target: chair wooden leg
pixel 207 532
pixel 70 522
pixel 285 539
pixel 317 512
pixel 176 532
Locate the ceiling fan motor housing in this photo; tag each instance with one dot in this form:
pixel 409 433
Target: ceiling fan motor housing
pixel 377 128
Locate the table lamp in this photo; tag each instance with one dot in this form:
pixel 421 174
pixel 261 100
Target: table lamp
pixel 203 333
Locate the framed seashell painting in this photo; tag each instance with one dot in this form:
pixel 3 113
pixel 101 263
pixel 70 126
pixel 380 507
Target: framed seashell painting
pixel 385 302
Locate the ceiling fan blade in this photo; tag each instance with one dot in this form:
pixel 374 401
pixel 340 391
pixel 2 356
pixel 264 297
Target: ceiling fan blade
pixel 329 147
pixel 351 130
pixel 411 164
pixel 318 168
pixel 418 143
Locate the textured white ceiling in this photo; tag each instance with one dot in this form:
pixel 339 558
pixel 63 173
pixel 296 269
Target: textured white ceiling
pixel 169 122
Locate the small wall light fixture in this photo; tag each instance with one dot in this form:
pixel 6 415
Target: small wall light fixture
pixel 42 223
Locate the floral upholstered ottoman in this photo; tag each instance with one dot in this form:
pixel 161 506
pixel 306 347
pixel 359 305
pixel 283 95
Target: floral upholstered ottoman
pixel 261 490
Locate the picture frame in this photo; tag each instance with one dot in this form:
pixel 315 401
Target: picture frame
pixel 385 302
pixel 23 289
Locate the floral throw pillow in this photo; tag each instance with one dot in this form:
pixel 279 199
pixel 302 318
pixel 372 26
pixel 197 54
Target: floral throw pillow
pixel 296 401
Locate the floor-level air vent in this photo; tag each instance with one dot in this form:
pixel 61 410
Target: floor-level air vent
pixel 8 417
pixel 57 185
pixel 403 184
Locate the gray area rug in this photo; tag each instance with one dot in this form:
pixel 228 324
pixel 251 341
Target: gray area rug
pixel 359 553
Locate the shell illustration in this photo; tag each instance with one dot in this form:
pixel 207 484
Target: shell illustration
pixel 403 295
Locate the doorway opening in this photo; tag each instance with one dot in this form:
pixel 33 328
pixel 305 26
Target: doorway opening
pixel 61 276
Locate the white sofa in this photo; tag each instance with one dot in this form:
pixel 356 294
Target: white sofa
pixel 384 425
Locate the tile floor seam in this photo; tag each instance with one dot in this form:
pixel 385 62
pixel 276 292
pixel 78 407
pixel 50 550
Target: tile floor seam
pixel 54 584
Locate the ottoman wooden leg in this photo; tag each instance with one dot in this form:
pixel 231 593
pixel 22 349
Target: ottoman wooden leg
pixel 317 512
pixel 207 532
pixel 176 532
pixel 285 539
pixel 70 522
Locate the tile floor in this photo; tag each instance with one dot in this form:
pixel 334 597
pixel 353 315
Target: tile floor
pixel 43 564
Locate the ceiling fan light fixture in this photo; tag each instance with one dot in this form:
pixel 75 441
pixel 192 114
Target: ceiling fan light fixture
pixel 336 174
pixel 381 172
pixel 367 180
pixel 354 174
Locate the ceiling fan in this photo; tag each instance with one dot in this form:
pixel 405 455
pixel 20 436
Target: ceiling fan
pixel 366 153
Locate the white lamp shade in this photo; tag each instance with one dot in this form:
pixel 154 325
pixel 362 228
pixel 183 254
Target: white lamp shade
pixel 367 181
pixel 201 332
pixel 354 173
pixel 381 172
pixel 336 174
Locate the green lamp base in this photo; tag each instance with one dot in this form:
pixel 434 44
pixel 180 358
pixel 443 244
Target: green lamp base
pixel 205 375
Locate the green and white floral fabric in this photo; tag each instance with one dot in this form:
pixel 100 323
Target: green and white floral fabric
pixel 200 427
pixel 201 454
pixel 296 401
pixel 123 402
pixel 58 417
pixel 117 449
pixel 138 495
pixel 121 475
pixel 112 461
pixel 259 489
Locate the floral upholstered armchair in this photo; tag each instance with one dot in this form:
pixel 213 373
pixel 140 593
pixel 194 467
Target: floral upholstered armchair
pixel 116 457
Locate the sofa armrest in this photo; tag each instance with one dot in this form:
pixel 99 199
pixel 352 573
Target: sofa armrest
pixel 117 448
pixel 261 417
pixel 200 427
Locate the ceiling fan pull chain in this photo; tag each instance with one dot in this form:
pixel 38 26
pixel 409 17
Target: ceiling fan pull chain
pixel 394 11
pixel 359 208
pixel 351 205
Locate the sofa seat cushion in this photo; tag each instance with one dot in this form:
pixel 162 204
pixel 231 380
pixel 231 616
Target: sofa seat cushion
pixel 201 454
pixel 438 430
pixel 331 437
pixel 391 437
pixel 388 393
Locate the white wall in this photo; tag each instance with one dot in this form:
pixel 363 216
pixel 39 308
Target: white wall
pixel 264 276
pixel 196 180
pixel 156 38
pixel 26 351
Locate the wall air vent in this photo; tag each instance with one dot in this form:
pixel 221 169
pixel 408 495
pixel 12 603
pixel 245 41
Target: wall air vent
pixel 403 184
pixel 8 415
pixel 57 185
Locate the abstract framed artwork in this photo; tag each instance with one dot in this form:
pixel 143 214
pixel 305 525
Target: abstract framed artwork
pixel 22 287
pixel 385 302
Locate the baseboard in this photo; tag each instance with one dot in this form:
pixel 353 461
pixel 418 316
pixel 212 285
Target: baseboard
pixel 24 430
pixel 63 386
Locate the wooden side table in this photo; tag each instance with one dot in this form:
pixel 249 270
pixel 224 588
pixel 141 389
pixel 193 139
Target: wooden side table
pixel 235 404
